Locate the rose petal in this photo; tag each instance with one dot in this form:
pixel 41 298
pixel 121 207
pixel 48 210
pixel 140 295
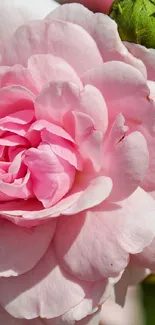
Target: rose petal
pixel 39 291
pixel 17 12
pixel 126 161
pixel 17 75
pixel 146 259
pixel 86 193
pixel 123 87
pixel 58 98
pixel 52 176
pixel 21 248
pixel 130 224
pixel 82 129
pixel 40 37
pixel 45 68
pixel 145 55
pixel 18 189
pixel 100 291
pixel 15 98
pixel 102 28
pixel 149 182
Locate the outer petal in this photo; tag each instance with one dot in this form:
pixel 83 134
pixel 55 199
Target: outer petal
pixel 41 37
pixel 151 85
pixel 89 320
pixel 146 259
pixel 45 68
pixel 128 89
pixel 102 28
pixel 125 161
pixel 98 293
pixel 17 12
pixel 15 98
pixel 144 54
pixel 58 98
pixel 130 224
pixel 16 75
pixel 149 181
pixel 86 193
pixel 6 318
pixel 21 248
pixel 39 291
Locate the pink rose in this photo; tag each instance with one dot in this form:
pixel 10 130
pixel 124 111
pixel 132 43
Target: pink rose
pixel 76 115
pixel 94 5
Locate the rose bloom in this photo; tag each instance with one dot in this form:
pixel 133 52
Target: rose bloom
pixel 94 5
pixel 77 166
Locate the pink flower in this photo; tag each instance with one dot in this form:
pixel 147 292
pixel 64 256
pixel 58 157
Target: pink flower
pixel 76 115
pixel 94 5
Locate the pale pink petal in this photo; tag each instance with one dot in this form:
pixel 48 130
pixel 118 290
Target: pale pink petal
pixel 9 320
pixel 47 67
pixel 99 257
pixel 102 29
pixel 19 189
pixel 57 99
pixel 21 117
pixel 123 87
pixel 146 259
pixel 92 103
pixel 111 232
pixel 144 54
pixel 39 291
pixel 52 176
pixel 149 180
pixel 90 320
pixel 15 98
pixel 82 129
pixel 17 75
pixel 93 192
pixel 22 248
pixel 151 85
pixel 6 318
pixel 97 294
pixel 43 126
pixel 17 12
pixel 41 37
pixel 125 161
pixel 63 149
pixel 86 193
